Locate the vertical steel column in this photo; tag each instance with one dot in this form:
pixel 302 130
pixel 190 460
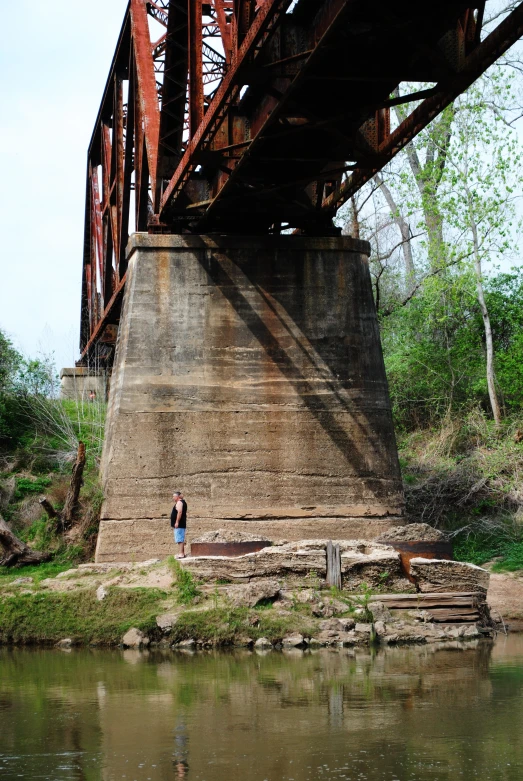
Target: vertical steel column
pixel 149 109
pixel 244 12
pixel 225 28
pixel 195 66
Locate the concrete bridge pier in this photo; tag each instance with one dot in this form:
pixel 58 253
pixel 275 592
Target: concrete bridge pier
pixel 249 375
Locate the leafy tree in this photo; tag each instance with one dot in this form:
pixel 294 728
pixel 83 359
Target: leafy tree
pixel 10 362
pixel 21 379
pixel 438 219
pixel 482 173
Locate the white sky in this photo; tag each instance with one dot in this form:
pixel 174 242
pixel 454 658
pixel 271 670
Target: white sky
pixel 54 60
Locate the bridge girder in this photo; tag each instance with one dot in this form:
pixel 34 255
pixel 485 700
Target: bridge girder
pixel 248 115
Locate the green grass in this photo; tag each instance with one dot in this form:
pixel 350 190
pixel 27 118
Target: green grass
pixel 465 476
pixel 26 486
pixel 46 617
pixel 49 617
pixel 512 560
pixel 64 559
pixel 38 572
pixel 184 583
pixel 222 626
pixel 478 549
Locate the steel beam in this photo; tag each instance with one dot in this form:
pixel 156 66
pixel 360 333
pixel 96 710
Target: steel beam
pixel 304 95
pixel 485 54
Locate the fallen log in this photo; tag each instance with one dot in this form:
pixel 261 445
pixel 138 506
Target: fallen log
pixel 16 551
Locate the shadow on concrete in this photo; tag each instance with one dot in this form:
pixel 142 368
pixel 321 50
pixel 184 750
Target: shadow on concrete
pixel 215 263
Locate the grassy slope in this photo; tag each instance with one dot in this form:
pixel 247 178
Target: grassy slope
pixel 467 478
pixel 49 617
pixel 41 465
pixel 42 615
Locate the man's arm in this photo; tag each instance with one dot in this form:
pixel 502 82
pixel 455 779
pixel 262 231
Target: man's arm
pixel 179 510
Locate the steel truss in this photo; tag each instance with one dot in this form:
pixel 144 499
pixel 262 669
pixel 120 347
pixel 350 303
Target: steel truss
pixel 246 115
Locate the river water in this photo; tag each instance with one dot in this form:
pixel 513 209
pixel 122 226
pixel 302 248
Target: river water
pixel 404 714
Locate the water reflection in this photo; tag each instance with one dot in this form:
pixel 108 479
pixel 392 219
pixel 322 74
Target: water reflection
pixel 397 715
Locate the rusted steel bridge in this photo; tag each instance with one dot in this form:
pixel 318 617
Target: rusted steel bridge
pixel 258 116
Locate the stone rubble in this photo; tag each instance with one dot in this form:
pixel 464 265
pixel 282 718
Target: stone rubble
pixel 134 638
pixel 293 641
pixel 166 621
pixel 101 593
pixel 413 532
pixel 438 575
pixel 276 561
pixel 251 594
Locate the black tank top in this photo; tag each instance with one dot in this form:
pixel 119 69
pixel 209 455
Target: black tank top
pixel 183 519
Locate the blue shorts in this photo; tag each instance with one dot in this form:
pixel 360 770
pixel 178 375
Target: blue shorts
pixel 179 535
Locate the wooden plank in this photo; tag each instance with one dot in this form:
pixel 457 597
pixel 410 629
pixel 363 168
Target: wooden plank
pixel 454 616
pixel 461 611
pixel 333 565
pixel 430 603
pixel 424 601
pixel 419 596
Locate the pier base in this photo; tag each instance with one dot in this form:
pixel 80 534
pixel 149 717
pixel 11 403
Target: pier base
pixel 249 375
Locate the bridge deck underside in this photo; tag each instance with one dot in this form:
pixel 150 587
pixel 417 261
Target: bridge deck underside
pixel 322 111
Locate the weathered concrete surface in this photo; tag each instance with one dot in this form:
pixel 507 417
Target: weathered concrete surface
pixel 249 375
pixel 78 382
pixel 433 575
pixel 282 561
pixel 361 562
pixel 376 566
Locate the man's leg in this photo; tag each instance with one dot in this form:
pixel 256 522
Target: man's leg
pixel 179 536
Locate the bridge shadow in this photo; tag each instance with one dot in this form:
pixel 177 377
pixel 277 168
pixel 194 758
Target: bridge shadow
pixel 236 282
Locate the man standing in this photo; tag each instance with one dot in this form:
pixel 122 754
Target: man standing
pixel 179 521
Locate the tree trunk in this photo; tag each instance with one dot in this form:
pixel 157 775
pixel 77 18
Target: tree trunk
pixel 428 178
pixel 16 551
pixel 355 221
pixel 489 344
pixel 48 507
pixel 404 230
pixel 71 500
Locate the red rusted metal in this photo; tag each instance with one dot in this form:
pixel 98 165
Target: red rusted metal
pixel 243 115
pixel 195 66
pixel 229 89
pixel 427 549
pixel 483 55
pixel 150 113
pixel 221 6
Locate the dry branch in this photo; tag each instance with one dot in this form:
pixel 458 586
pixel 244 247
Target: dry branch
pixel 71 500
pixel 48 507
pixel 64 519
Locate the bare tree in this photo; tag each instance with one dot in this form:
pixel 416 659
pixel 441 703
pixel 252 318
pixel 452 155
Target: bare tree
pixel 404 229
